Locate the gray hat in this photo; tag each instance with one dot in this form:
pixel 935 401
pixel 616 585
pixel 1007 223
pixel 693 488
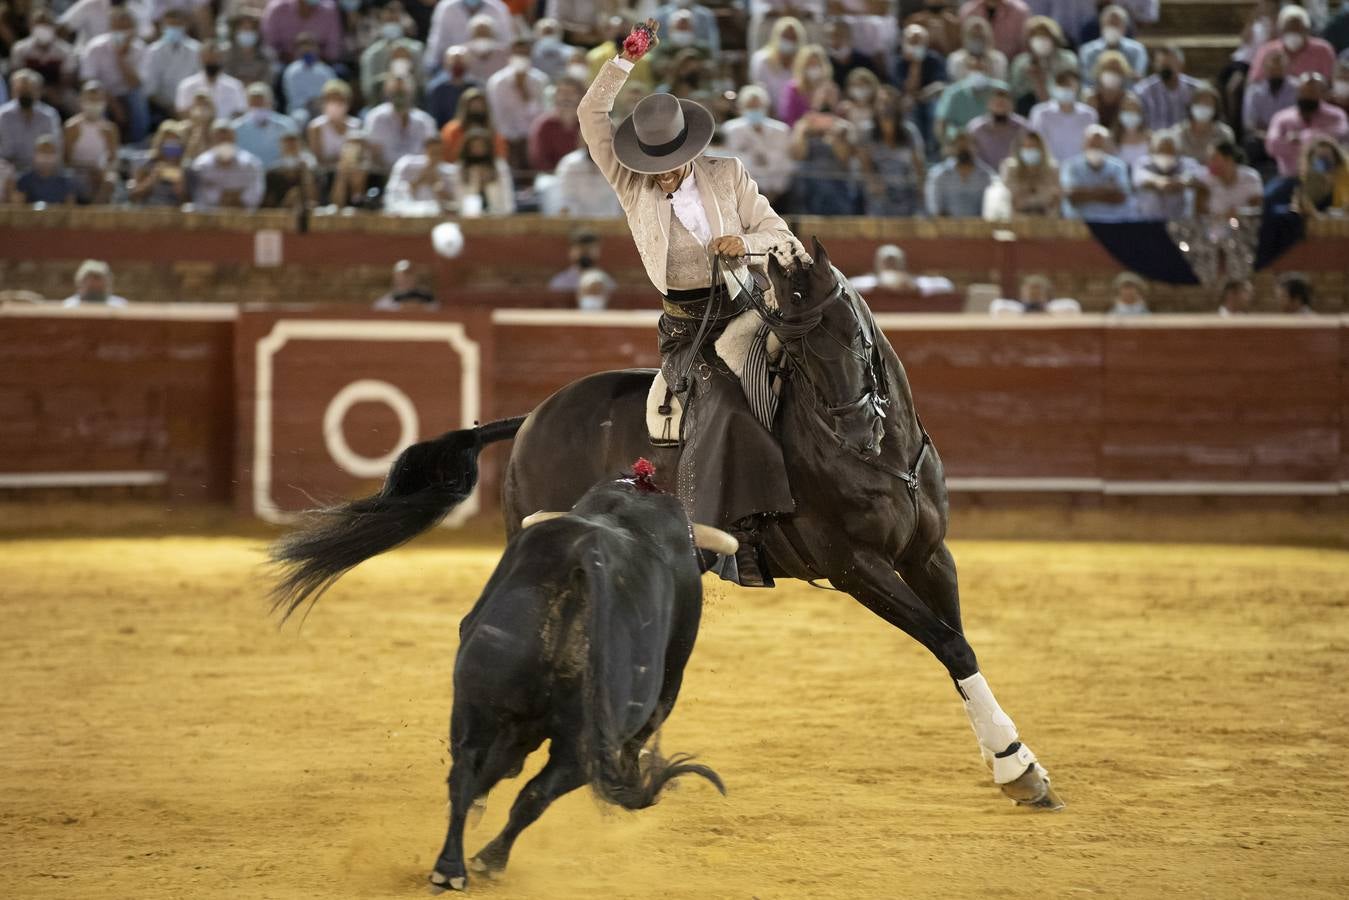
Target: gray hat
pixel 662 134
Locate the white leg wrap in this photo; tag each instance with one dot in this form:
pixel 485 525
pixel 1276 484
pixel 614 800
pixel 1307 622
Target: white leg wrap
pixel 994 729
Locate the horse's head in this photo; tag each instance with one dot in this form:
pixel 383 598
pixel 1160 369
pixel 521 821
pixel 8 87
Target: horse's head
pixel 834 347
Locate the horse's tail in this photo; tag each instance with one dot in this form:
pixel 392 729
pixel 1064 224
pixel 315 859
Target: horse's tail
pixel 611 694
pixel 426 481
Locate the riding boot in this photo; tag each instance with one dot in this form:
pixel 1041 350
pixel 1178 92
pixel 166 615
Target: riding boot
pixel 751 564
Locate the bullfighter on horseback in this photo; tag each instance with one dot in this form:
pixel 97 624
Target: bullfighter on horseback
pixel 686 211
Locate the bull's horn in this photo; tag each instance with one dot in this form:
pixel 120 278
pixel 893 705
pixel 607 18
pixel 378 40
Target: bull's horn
pixel 705 537
pixel 540 516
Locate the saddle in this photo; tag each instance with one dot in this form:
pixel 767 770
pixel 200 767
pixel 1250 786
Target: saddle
pixel 747 347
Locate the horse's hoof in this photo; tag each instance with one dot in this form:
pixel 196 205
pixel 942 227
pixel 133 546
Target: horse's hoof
pixel 1032 789
pixel 441 882
pixel 486 863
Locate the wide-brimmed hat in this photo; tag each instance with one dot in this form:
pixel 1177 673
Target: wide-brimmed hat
pixel 663 133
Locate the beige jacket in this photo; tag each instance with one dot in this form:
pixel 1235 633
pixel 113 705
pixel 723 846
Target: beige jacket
pixel 731 199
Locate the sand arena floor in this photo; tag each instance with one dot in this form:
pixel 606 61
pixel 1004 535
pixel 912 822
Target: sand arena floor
pixel 162 739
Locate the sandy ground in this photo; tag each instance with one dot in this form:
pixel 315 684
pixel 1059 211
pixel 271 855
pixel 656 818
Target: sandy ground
pixel 161 738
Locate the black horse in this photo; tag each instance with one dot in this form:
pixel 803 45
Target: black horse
pixel 871 502
pixel 579 638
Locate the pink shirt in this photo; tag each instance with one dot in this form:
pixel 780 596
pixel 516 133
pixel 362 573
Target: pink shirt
pixel 282 24
pixel 1288 133
pixel 1316 56
pixel 1008 21
pixel 792 104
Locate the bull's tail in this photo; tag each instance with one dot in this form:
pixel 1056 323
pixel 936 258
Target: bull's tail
pixel 426 482
pixel 617 772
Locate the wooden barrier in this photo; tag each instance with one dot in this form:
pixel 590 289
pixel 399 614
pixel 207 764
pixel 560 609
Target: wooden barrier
pixel 282 408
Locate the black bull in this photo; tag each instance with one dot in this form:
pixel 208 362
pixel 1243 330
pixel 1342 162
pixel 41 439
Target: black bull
pixel 580 638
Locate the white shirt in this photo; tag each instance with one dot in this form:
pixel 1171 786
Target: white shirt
pixel 227 92
pixel 764 150
pixel 166 65
pixel 449 27
pixel 90 18
pixel 512 112
pixel 1225 200
pixel 99 60
pixel 405 184
pixel 687 206
pixel 582 190
pixel 112 300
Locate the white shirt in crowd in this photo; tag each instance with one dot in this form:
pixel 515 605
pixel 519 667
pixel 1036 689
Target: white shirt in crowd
pixel 764 149
pixel 449 26
pixel 582 190
pixel 226 90
pixel 1226 200
pixel 406 185
pixel 90 18
pixel 213 178
pixel 392 137
pixel 166 65
pixel 514 112
pixel 1061 306
pixel 111 300
pixel 99 60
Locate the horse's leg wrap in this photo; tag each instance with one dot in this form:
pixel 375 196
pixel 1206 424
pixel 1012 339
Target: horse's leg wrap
pixel 995 730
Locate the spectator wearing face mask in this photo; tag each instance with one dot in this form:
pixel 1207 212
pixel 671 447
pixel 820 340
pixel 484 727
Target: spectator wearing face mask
pixel 196 128
pixel 515 95
pixel 679 42
pixel 422 183
pixel 1107 97
pixel 1305 53
pixel 581 188
pixel 962 102
pixel 1114 37
pixel 705 29
pixel 284 22
pixel 161 180
pixel 889 272
pixel 168 63
pixel 93 286
pixel 592 291
pixel 1294 128
pixel 1131 135
pixel 47 181
pixel 260 129
pixel 327 132
pixel 1063 119
pixel 376 58
pixel 1095 184
pixel 1227 187
pixel 811 70
pixel 226 177
pixel 1166 94
pixel 771 66
pixel 92 143
pixel 1201 129
pixel 227 92
pixel 891 161
pixel 450 26
pixel 822 145
pixel 955 187
pixel 114 61
pixel 583 251
pixel 247 58
pixel 444 91
pixel 1037 298
pixel 920 74
pixel 292 179
pixel 976 52
pixel 843 52
pixel 1131 296
pixel 1323 180
pixel 556 133
pixel 396 128
pixel 762 144
pixel 996 131
pixel 405 292
pixel 87 19
pixel 1007 19
pixel 304 79
pixel 1032 178
pixel 44 52
pixel 939 19
pixel 1163 181
pixel 550 53
pixel 473 112
pixel 25 119
pixel 1045 56
pixel 485 186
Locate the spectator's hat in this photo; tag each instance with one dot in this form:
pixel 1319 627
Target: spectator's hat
pixel 662 134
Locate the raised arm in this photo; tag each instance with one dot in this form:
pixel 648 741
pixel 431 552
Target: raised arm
pixel 597 128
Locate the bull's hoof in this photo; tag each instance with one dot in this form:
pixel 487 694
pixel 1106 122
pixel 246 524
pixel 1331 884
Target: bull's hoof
pixel 1032 789
pixel 490 861
pixel 442 882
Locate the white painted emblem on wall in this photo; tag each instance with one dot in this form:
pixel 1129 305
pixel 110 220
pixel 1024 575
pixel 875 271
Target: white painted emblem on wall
pixel 367 390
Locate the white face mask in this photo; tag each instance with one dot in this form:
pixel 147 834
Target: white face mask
pixel 1112 34
pixel 1031 156
pixel 1202 112
pixel 860 93
pixel 1130 118
pixel 787 47
pixel 1041 45
pixel 1095 157
pixel 225 152
pixel 915 51
pixel 1111 80
pixel 1294 41
pixel 1165 162
pixel 400 67
pixel 889 278
pixel 93 109
pixel 1062 94
pixel 43 34
pixel 482 46
pixel 520 62
pixel 681 38
pixel 814 73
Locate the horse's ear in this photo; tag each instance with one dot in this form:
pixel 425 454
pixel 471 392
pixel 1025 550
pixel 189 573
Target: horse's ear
pixel 818 254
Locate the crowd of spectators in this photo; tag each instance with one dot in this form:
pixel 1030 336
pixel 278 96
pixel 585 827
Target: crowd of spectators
pixel 994 108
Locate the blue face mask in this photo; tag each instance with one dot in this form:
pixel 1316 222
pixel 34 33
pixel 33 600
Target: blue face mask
pixel 473 4
pixel 392 31
pixel 174 34
pixel 171 151
pixel 1323 165
pixel 309 58
pixel 246 38
pixel 755 116
pixel 350 6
